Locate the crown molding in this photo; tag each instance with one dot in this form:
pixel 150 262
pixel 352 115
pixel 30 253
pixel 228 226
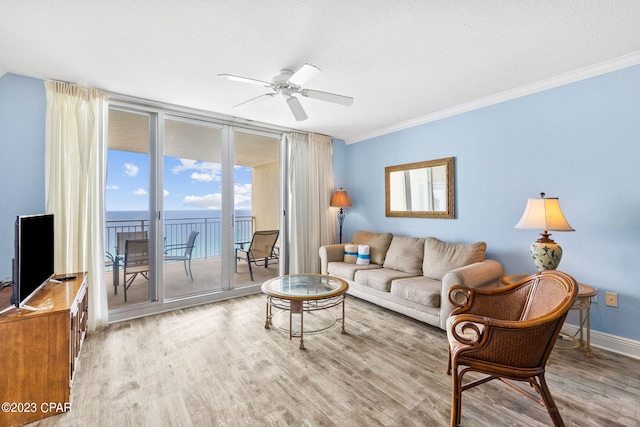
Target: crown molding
pixel 615 64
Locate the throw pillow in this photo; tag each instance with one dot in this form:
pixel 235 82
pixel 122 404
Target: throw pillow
pixel 378 244
pixel 440 257
pixel 350 253
pixel 405 254
pixel 363 254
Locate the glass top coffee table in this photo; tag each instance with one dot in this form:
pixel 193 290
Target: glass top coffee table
pixel 300 293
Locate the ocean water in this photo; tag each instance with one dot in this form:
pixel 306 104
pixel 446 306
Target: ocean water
pixel 178 225
pixel 140 215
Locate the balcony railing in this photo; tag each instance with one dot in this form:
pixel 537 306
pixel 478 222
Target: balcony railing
pixel 176 231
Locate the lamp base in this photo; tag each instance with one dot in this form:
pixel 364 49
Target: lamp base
pixel 546 255
pixel 341 215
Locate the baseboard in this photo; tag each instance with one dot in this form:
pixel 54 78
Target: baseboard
pixel 609 342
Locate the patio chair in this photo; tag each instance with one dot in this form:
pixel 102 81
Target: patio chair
pixel 261 250
pixel 117 259
pixel 136 261
pixel 508 333
pixel 186 250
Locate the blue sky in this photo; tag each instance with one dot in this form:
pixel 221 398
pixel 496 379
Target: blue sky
pixel 188 184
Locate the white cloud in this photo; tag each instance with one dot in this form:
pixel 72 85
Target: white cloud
pixel 242 189
pixel 166 192
pixel 242 196
pixel 203 171
pixel 112 187
pixel 209 201
pixel 202 177
pixel 131 169
pixel 140 192
pixel 185 164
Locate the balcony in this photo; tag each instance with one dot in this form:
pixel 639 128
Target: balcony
pixel 205 262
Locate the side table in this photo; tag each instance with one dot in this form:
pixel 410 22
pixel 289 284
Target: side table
pixel 583 304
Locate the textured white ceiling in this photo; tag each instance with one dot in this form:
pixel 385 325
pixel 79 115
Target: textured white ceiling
pixel 403 61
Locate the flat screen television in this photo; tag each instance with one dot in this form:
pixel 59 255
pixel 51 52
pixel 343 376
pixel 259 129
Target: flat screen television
pixel 33 263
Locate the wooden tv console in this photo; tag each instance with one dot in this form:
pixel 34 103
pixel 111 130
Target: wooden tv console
pixel 40 351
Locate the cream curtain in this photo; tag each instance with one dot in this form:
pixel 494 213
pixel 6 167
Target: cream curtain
pixel 75 174
pixel 311 224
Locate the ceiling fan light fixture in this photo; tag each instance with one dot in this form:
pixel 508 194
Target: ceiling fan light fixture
pixel 285 92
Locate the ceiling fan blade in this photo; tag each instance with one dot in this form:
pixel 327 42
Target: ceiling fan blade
pixel 304 74
pixel 296 109
pixel 326 96
pixel 244 80
pixel 253 101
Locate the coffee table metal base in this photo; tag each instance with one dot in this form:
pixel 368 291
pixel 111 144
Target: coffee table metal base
pixel 300 307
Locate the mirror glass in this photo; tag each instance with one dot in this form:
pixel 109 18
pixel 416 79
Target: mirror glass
pixel 420 190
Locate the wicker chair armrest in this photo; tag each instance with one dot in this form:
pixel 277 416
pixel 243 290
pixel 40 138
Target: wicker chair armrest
pixel 470 330
pixel 459 297
pixel 474 330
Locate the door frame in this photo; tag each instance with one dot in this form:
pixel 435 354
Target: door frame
pixel 158 112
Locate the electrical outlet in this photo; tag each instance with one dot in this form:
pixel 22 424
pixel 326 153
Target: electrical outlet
pixel 611 299
pixel 594 299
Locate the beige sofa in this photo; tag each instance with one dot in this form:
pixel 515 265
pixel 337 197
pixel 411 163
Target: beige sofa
pixel 412 275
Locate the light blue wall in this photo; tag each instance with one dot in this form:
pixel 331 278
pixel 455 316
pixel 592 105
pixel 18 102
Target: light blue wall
pixel 22 113
pixel 579 142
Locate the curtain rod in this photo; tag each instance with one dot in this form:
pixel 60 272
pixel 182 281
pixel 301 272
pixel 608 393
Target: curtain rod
pixel 195 111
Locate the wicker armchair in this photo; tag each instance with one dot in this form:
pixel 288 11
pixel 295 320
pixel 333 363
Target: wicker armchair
pixel 508 334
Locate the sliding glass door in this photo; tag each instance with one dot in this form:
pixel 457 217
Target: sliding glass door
pixel 256 193
pixel 129 225
pixel 192 194
pixel 192 200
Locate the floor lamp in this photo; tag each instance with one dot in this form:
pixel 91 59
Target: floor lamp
pixel 340 200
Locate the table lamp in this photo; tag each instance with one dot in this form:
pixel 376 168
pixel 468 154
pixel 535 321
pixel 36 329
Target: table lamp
pixel 544 214
pixel 340 200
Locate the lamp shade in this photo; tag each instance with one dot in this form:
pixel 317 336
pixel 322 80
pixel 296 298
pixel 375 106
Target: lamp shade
pixel 544 214
pixel 340 199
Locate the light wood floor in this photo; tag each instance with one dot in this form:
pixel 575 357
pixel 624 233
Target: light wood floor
pixel 216 365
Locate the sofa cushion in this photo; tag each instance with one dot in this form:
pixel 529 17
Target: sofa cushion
pixel 379 278
pixel 363 255
pixel 440 257
pixel 378 244
pixel 347 270
pixel 405 254
pixel 350 253
pixel 422 290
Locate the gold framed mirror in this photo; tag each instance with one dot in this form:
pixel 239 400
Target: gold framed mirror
pixel 420 190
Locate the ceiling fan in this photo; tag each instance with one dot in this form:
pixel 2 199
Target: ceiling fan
pixel 286 84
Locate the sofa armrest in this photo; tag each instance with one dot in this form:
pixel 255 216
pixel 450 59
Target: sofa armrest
pixel 329 253
pixel 483 274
